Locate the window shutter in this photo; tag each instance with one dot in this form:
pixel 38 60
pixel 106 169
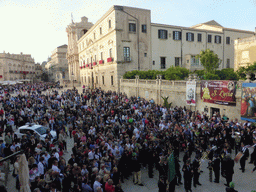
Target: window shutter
pixel 186 36
pixel 166 34
pixel 220 39
pixel 192 36
pixel 173 35
pixel 179 35
pixel 215 39
pixel 159 34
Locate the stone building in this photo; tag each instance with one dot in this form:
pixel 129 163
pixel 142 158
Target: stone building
pixel 57 66
pixel 75 31
pixel 178 46
pixel 245 52
pixel 38 72
pixel 124 39
pixel 16 67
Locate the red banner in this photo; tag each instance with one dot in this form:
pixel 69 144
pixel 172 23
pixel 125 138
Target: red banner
pixel 219 92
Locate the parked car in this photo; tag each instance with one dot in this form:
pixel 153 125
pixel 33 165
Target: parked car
pixel 40 131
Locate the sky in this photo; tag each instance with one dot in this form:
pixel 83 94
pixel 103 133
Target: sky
pixel 38 27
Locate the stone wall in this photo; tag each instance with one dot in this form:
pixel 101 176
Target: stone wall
pixel 176 91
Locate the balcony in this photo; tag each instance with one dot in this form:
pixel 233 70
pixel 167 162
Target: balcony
pixel 94 63
pixel 87 65
pixel 109 59
pixel 101 61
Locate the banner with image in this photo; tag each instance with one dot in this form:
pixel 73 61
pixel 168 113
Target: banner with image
pixel 219 92
pixel 191 93
pixel 248 102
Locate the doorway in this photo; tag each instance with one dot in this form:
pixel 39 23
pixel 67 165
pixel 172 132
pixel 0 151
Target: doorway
pixel 214 111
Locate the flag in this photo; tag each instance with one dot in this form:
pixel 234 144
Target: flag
pixel 171 167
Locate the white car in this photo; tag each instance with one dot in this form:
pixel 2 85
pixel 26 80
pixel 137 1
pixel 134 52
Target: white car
pixel 40 131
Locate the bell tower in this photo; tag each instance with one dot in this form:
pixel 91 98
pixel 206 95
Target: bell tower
pixel 75 31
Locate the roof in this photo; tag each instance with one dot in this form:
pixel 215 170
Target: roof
pixel 63 46
pixel 32 127
pixel 212 22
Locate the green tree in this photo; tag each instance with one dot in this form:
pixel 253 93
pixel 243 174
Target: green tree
pixel 242 71
pixel 227 74
pixel 176 73
pixel 209 60
pixel 211 76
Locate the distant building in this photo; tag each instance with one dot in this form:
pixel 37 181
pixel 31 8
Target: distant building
pixel 16 67
pixel 124 39
pixel 57 66
pixel 245 52
pixel 38 72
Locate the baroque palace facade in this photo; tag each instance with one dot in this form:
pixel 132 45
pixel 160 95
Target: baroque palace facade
pixel 57 66
pixel 124 39
pixel 17 67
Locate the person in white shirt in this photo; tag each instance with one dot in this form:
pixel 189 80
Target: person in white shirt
pixel 56 154
pixel 41 166
pixel 91 155
pixel 97 183
pixel 55 166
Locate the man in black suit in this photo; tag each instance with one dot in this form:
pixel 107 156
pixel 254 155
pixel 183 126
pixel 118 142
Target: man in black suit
pixel 228 165
pixel 253 155
pixel 196 170
pixel 243 159
pixel 188 172
pixel 216 168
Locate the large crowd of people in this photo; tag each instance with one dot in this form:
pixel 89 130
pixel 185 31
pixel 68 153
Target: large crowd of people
pixel 115 137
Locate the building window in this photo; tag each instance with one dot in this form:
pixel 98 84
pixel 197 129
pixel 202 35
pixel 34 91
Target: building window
pixel 87 60
pixel 127 53
pixel 162 34
pixel 112 80
pixel 101 56
pixel 96 79
pixel 209 38
pixel 88 79
pixel 199 37
pixel 228 40
pixel 102 80
pixel 228 63
pixel 95 58
pixel 100 31
pixel 91 60
pixel 176 35
pixel 177 61
pixel 144 28
pixel 194 60
pixel 132 27
pixel 110 52
pixel 154 62
pixel 94 35
pixel 85 79
pixel 145 54
pixel 109 24
pixel 190 36
pixel 217 39
pixel 163 62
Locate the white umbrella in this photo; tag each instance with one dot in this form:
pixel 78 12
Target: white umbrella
pixel 24 174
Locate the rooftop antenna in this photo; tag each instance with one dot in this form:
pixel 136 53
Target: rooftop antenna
pixel 72 19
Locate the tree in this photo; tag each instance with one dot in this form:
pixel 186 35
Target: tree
pixel 227 74
pixel 176 73
pixel 242 71
pixel 209 60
